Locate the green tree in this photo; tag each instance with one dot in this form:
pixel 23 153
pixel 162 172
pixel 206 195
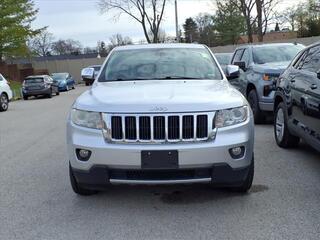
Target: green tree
pixel 229 22
pixel 206 29
pixel 191 30
pixel 16 17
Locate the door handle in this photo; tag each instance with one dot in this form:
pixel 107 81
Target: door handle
pixel 314 86
pixel 292 80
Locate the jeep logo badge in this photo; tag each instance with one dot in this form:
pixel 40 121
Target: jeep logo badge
pixel 159 109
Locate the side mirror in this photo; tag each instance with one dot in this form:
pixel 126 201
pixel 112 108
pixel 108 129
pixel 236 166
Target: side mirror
pixel 87 73
pixel 241 65
pixel 232 72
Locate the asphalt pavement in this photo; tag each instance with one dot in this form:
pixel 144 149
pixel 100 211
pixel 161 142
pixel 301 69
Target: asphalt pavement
pixel 36 200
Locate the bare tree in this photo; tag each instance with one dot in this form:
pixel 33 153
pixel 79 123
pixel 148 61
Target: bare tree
pixel 247 9
pixel 265 12
pixel 162 36
pixel 149 13
pixel 68 46
pixel 41 44
pixel 118 40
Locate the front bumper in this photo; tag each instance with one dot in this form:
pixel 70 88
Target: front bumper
pixel 99 177
pixel 108 158
pixel 44 91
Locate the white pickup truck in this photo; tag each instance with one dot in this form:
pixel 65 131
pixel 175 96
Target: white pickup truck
pixel 5 94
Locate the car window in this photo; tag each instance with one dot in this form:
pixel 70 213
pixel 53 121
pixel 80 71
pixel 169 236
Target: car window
pixel 245 57
pixel 311 61
pixel 1 78
pixel 237 56
pixel 160 63
pixel 223 58
pixel 275 53
pixel 298 62
pixel 34 80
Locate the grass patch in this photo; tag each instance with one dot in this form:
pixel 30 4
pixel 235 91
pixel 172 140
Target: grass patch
pixel 16 89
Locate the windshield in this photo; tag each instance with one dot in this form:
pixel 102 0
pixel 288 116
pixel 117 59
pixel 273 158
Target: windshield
pixel 164 63
pixel 276 53
pixel 59 76
pixel 223 58
pixel 34 80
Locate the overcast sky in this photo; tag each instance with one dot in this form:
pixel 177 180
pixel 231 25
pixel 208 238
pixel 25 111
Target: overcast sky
pixel 81 19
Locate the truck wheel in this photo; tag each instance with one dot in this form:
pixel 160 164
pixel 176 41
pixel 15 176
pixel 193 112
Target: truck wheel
pixel 4 102
pixel 76 188
pixel 246 185
pixel 282 135
pixel 87 84
pixel 25 97
pixel 57 93
pixel 254 104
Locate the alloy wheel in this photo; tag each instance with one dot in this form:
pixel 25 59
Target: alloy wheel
pixel 4 102
pixel 280 124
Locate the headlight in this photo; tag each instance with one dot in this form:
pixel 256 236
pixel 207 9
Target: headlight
pixel 86 119
pixel 230 117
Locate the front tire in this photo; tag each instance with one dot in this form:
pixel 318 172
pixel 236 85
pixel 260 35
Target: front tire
pixel 78 189
pixel 282 134
pixel 50 94
pixel 254 104
pixel 246 185
pixel 4 102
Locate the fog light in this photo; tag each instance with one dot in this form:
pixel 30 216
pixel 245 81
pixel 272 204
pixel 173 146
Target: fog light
pixel 83 154
pixel 236 152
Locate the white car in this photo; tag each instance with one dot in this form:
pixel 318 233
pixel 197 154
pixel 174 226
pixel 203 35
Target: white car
pixel 161 114
pixel 5 94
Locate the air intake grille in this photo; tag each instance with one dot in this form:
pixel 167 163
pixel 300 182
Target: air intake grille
pixel 159 128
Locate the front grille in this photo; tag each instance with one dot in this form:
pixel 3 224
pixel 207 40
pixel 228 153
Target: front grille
pixel 158 128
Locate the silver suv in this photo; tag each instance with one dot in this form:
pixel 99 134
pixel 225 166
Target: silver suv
pixel 161 114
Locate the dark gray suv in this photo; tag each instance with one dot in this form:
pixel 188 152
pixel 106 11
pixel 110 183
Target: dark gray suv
pixel 261 65
pixel 297 101
pixel 39 85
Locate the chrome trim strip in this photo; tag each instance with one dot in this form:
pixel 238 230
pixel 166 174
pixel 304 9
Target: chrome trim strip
pixel 159 182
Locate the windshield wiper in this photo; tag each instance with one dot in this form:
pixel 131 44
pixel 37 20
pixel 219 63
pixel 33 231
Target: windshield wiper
pixel 178 77
pixel 159 78
pixel 126 79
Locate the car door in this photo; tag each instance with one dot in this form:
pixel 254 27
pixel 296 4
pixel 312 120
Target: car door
pixel 305 87
pixel 244 73
pixel 237 58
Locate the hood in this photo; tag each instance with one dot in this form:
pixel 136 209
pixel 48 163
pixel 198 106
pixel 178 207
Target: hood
pixel 275 68
pixel 160 96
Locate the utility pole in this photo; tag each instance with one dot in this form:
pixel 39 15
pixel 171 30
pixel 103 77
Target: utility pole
pixel 177 24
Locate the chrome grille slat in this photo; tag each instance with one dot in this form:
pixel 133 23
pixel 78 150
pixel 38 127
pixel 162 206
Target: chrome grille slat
pixel 159 128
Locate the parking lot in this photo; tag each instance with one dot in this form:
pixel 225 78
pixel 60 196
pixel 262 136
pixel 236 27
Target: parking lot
pixel 36 200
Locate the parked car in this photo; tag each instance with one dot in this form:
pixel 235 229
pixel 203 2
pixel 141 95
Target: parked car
pixel 39 85
pixel 223 59
pixel 5 94
pixel 161 114
pixel 89 78
pixel 297 101
pixel 65 80
pixel 261 65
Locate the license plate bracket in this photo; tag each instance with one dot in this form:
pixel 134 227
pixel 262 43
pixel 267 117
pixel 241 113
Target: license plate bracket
pixel 159 159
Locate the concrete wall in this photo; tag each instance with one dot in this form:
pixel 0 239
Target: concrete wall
pixel 304 41
pixel 72 66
